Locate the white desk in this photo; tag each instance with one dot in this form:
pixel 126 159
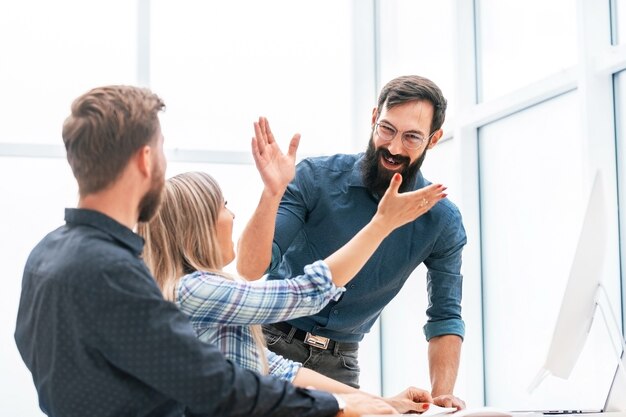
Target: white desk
pixel 605 414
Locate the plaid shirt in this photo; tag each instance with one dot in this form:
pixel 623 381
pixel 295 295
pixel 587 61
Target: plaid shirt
pixel 221 309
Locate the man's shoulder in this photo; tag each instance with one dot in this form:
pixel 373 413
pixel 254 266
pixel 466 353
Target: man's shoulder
pixel 78 254
pixel 336 162
pixel 445 208
pixel 449 210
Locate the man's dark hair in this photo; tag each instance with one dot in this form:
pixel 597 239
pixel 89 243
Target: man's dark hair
pixel 411 88
pixel 107 126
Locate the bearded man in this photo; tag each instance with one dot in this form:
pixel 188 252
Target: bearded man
pixel 328 202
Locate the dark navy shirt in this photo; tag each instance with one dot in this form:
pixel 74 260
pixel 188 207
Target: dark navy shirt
pixel 100 340
pixel 324 207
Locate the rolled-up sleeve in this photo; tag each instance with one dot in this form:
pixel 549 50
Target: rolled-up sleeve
pixel 445 282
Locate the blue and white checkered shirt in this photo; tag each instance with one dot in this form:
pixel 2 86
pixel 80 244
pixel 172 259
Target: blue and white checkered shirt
pixel 221 310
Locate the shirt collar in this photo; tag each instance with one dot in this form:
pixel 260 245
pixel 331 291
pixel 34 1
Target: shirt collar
pixel 107 225
pixel 356 178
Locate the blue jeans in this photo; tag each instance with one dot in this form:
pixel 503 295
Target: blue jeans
pixel 340 363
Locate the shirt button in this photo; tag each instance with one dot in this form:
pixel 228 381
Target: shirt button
pixel 307 299
pixel 335 312
pixel 352 285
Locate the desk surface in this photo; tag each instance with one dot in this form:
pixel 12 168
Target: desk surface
pixel 605 414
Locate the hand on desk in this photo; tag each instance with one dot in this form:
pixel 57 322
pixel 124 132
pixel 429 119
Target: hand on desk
pixel 360 404
pixel 411 400
pixel 449 400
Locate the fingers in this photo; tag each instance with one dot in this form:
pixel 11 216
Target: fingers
pixel 428 196
pixel 406 406
pixel 293 145
pixel 263 134
pixel 265 139
pixel 449 401
pixel 443 401
pixel 265 124
pixel 260 136
pixel 255 149
pixel 394 184
pixel 419 395
pixel 421 407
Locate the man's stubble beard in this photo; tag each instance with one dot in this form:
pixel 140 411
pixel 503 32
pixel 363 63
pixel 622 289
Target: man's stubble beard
pixel 151 201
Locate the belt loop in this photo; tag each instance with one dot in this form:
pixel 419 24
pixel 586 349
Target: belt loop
pixel 292 332
pixel 336 349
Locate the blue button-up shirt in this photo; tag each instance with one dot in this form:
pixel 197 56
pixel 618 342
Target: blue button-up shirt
pixel 324 207
pixel 100 340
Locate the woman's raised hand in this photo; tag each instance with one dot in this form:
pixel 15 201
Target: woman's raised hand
pixel 396 209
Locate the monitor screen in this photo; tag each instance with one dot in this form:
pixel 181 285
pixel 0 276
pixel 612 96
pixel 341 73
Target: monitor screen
pixel 579 300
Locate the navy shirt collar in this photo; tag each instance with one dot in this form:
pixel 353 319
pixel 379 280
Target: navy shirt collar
pixel 102 222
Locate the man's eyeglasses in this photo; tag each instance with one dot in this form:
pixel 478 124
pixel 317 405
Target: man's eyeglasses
pixel 410 140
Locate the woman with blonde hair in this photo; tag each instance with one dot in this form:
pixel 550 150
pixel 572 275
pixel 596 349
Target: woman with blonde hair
pixel 189 242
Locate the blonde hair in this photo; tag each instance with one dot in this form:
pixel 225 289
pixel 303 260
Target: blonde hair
pixel 182 237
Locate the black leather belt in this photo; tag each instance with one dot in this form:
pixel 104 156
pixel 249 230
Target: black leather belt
pixel 308 338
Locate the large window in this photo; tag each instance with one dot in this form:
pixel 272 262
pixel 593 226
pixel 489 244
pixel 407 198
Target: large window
pixel 620 115
pixel 521 41
pixel 414 40
pixel 221 69
pixel 533 195
pixel 619 20
pixel 54 51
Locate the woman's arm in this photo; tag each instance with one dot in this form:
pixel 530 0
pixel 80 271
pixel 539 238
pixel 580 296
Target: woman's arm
pixel 410 400
pixel 210 299
pixel 394 210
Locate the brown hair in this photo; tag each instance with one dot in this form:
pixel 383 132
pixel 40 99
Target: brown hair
pixel 182 237
pixel 106 127
pixel 411 88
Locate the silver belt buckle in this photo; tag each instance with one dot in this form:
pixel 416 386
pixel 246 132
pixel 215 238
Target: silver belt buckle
pixel 316 341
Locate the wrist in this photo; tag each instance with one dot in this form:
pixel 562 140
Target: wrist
pixel 378 227
pixel 341 403
pixel 272 193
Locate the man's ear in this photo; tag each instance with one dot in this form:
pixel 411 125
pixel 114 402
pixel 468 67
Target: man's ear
pixel 144 161
pixel 435 138
pixel 374 116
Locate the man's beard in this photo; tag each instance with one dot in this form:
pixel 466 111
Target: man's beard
pixel 151 201
pixel 376 178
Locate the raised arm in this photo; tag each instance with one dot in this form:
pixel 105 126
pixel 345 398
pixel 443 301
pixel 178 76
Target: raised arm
pixel 276 170
pixel 394 210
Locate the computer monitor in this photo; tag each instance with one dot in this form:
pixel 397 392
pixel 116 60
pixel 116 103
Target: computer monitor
pixel 579 300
